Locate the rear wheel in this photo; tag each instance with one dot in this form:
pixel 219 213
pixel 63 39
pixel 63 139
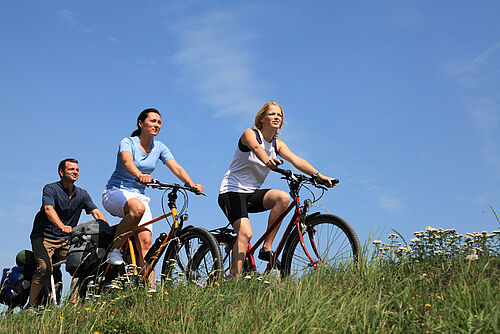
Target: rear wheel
pixel 193 257
pixel 330 241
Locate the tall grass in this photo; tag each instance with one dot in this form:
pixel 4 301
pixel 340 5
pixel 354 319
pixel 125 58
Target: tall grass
pixel 439 282
pixel 455 296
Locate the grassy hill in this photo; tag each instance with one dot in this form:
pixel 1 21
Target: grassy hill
pixel 424 297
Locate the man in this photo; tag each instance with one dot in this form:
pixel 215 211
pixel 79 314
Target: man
pixel 62 205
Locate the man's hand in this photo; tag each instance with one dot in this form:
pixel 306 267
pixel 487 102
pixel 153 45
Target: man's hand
pixel 66 229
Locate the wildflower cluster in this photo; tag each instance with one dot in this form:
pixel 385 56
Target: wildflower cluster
pixel 437 243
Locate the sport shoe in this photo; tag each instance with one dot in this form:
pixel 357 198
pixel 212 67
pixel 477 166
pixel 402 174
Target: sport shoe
pixel 115 257
pixel 267 255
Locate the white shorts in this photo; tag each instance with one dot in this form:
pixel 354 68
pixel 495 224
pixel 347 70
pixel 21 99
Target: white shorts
pixel 114 199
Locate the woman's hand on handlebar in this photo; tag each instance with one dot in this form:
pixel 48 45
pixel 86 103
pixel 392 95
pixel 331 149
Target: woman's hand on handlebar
pixel 273 163
pixel 327 181
pixel 198 187
pixel 144 179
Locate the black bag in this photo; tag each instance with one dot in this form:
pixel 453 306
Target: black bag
pixel 89 245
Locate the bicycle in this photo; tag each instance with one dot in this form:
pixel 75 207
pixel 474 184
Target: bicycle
pixel 191 253
pixel 324 239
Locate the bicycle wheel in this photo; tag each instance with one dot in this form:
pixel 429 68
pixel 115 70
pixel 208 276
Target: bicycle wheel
pixel 193 257
pixel 329 240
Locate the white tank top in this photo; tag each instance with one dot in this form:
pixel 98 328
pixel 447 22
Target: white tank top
pixel 246 172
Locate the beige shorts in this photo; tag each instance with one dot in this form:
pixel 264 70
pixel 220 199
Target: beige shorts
pixel 44 249
pixel 114 199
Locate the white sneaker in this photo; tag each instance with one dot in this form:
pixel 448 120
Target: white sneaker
pixel 115 257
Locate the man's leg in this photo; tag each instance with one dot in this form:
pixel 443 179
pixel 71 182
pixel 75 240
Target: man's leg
pixel 43 267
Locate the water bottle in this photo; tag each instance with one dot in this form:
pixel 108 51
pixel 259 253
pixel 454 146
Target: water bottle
pixel 155 247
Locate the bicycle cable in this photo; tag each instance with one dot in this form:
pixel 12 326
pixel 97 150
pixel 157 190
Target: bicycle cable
pixel 163 207
pixel 185 204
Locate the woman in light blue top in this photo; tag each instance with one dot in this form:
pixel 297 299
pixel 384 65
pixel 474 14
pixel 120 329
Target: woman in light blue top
pixel 124 196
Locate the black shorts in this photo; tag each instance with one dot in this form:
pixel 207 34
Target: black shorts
pixel 237 205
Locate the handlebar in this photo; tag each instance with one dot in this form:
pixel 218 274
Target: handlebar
pixel 156 184
pixel 289 175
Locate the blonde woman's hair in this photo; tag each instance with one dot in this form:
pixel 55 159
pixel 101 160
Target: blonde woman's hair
pixel 262 113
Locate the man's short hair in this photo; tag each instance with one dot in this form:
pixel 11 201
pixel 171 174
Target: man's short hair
pixel 62 164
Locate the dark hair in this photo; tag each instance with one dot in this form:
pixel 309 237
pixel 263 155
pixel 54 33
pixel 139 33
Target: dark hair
pixel 62 164
pixel 142 117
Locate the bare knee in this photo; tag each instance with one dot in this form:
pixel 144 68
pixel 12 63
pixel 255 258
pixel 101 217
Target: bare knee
pixel 243 229
pixel 245 235
pixel 283 199
pixel 136 209
pixel 145 239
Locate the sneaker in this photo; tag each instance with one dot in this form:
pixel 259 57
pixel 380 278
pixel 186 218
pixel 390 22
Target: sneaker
pixel 267 255
pixel 115 257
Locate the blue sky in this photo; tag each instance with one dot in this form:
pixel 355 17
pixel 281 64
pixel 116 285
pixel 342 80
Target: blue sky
pixel 399 100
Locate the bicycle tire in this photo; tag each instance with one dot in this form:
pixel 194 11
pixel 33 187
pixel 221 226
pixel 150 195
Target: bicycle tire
pixel 193 257
pixel 336 242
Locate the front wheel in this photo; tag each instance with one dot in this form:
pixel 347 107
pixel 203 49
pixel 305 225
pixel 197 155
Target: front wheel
pixel 329 240
pixel 193 257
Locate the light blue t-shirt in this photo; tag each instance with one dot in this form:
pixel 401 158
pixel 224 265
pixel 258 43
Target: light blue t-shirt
pixel 145 162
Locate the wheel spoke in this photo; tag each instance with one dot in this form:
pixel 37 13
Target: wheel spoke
pixel 330 239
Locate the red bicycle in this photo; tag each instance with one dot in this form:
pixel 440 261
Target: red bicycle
pixel 310 240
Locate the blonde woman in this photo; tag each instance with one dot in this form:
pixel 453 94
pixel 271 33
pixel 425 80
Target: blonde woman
pixel 257 152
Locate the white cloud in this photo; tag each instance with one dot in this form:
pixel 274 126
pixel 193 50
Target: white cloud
pixel 217 61
pixel 68 18
pixel 391 204
pixel 475 77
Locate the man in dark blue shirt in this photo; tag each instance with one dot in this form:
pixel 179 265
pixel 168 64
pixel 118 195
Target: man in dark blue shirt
pixel 62 205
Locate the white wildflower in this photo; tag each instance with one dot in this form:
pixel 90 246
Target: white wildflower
pixel 376 242
pixel 472 257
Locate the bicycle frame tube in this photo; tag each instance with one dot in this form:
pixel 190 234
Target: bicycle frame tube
pixel 168 214
pixel 132 254
pixel 295 221
pixel 159 252
pixel 278 221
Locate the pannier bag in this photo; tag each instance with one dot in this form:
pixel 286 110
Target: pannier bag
pixel 89 244
pixel 14 287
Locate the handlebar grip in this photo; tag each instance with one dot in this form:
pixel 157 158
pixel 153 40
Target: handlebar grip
pixel 321 182
pixel 285 172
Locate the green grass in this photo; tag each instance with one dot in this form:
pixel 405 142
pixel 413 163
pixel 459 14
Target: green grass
pixel 455 296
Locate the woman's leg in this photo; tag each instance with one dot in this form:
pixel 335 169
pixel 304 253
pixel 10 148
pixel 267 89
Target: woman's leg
pixel 133 209
pixel 244 234
pixel 143 244
pixel 277 201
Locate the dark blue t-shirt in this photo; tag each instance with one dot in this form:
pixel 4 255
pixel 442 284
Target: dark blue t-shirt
pixel 69 211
